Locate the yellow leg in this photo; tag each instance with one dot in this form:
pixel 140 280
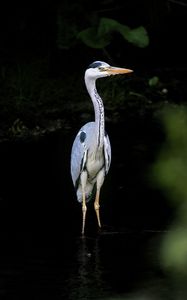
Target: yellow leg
pixel 96 206
pixel 84 209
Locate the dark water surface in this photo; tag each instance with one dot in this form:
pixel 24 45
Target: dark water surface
pixel 106 266
pixel 42 253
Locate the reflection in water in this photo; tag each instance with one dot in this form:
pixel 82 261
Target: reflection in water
pixel 108 266
pixel 113 266
pixel 86 277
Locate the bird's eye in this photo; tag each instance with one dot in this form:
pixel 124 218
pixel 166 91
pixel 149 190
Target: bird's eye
pixel 101 69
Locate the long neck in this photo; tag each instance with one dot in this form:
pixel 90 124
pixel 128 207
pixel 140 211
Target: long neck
pixel 99 111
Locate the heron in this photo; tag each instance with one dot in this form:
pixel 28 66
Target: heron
pixel 91 150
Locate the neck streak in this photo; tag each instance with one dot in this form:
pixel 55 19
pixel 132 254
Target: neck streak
pixel 99 112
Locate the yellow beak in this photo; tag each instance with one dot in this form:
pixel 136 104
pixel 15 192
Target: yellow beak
pixel 114 70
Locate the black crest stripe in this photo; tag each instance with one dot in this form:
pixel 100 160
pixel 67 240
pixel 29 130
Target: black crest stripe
pixel 95 64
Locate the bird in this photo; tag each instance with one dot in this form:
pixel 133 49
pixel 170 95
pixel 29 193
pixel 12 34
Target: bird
pixel 91 149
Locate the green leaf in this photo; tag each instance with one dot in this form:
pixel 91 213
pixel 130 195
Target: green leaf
pixel 137 36
pixel 101 36
pixel 107 26
pixel 153 81
pixel 91 38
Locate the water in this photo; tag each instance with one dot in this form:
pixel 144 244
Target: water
pixel 43 255
pixel 106 266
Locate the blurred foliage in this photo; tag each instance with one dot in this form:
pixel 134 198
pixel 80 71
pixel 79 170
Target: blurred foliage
pixel 31 101
pixel 100 36
pixel 170 173
pixel 71 28
pixel 153 81
pixel 171 168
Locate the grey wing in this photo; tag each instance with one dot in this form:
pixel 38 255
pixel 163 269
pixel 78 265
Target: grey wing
pixel 107 153
pixel 78 156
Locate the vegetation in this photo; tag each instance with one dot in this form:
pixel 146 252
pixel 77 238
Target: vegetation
pixel 170 173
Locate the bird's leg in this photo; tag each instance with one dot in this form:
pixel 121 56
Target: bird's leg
pixel 84 209
pixel 83 179
pixel 100 179
pixel 96 206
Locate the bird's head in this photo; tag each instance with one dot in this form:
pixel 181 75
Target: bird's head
pixel 99 69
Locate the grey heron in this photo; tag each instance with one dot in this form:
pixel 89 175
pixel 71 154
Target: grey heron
pixel 91 150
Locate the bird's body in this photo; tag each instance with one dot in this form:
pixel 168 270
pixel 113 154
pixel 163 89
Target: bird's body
pixel 91 150
pixel 94 159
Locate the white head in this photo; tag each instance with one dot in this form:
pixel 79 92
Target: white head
pixel 100 69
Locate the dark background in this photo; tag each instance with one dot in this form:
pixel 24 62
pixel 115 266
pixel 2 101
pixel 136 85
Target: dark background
pixel 30 31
